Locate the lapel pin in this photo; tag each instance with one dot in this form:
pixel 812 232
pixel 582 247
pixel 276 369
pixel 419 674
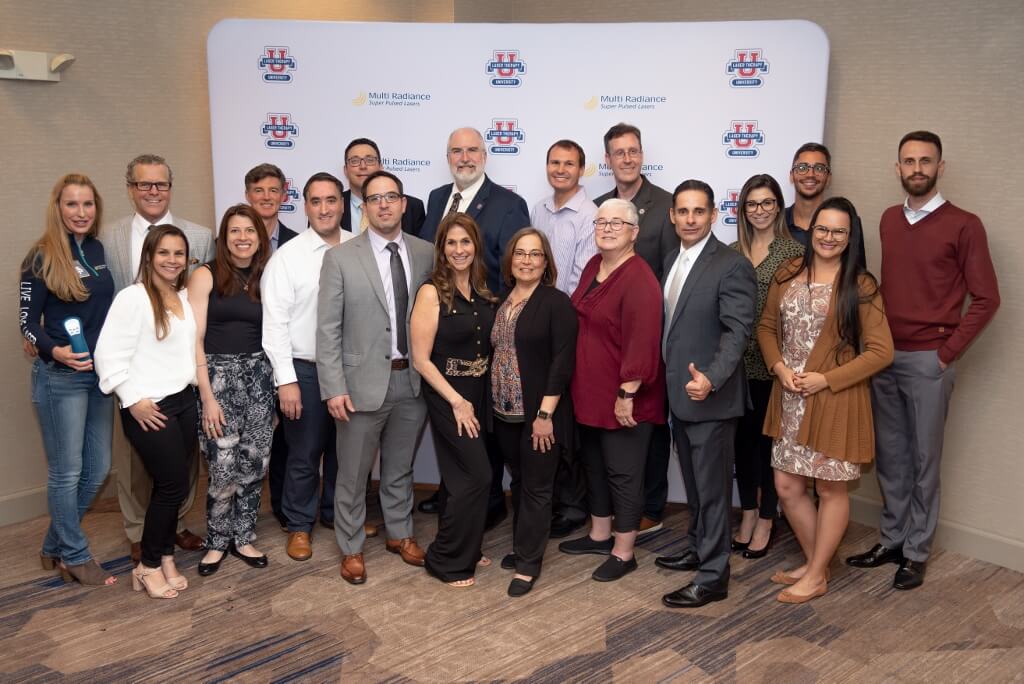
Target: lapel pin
pixel 479 207
pixel 641 211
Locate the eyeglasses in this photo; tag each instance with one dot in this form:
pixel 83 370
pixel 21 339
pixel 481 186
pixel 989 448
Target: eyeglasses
pixel 146 186
pixel 368 160
pixel 803 168
pixel 838 234
pixel 765 205
pixel 632 153
pixel 386 197
pixel 522 255
pixel 614 225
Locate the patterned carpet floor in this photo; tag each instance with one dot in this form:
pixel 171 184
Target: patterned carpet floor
pixel 300 622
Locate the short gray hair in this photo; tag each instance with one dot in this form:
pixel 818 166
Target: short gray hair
pixel 129 175
pixel 632 215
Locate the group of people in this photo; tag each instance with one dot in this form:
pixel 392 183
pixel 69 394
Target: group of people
pixel 574 345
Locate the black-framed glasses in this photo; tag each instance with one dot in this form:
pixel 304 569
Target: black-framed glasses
pixel 368 160
pixel 532 255
pixel 615 225
pixel 838 234
pixel 146 186
pixel 385 197
pixel 765 205
pixel 803 168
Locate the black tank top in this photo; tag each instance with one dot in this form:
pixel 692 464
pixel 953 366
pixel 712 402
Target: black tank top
pixel 234 325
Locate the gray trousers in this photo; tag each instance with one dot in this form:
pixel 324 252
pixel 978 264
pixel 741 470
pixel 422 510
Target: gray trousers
pixel 910 400
pixel 394 429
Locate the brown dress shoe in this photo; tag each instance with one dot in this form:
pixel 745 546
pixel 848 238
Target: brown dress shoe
pixel 188 541
pixel 353 570
pixel 136 552
pixel 370 530
pixel 299 547
pixel 408 549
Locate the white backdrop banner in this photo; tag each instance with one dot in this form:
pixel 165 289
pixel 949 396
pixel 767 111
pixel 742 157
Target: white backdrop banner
pixel 715 101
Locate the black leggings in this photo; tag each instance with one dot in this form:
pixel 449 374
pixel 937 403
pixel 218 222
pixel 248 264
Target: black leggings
pixel 614 461
pixel 754 455
pixel 167 454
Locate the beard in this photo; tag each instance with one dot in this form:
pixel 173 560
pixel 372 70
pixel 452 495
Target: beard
pixel 464 177
pixel 916 189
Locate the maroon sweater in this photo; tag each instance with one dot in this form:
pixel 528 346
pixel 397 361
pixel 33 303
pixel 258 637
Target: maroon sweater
pixel 619 340
pixel 928 268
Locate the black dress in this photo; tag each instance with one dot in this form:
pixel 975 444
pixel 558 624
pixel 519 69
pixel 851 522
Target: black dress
pixel 462 350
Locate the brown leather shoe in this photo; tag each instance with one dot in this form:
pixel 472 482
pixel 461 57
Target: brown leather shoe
pixel 136 552
pixel 408 549
pixel 188 541
pixel 370 530
pixel 353 570
pixel 299 547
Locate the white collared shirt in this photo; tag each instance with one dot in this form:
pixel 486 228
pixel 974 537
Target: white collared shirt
pixel 930 206
pixel 382 255
pixel 682 266
pixel 570 230
pixel 140 227
pixel 289 289
pixel 468 195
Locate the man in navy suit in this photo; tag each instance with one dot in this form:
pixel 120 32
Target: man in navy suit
pixel 264 191
pixel 498 211
pixel 362 158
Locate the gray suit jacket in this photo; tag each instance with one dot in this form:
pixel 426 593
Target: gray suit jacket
pixel 117 245
pixel 710 328
pixel 353 337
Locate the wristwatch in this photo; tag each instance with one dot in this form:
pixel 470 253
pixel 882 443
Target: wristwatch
pixel 623 394
pixel 543 415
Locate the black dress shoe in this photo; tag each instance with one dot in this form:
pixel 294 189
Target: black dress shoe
pixel 494 517
pixel 585 544
pixel 878 555
pixel 910 575
pixel 207 569
pixel 520 587
pixel 614 568
pixel 688 560
pixel 430 505
pixel 562 527
pixel 695 595
pixel 329 524
pixel 251 561
pixel 508 562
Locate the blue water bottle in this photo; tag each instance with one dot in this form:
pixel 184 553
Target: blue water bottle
pixel 76 334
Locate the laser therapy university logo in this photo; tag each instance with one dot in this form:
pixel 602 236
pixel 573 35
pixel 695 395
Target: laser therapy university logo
pixel 746 68
pixel 728 207
pixel 744 139
pixel 279 130
pixel 504 136
pixel 276 64
pixel 505 69
pixel 290 197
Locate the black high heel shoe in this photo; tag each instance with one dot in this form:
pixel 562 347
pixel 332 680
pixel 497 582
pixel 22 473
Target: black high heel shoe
pixel 760 553
pixel 738 545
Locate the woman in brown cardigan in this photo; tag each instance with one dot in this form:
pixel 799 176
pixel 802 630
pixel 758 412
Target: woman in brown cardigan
pixel 823 335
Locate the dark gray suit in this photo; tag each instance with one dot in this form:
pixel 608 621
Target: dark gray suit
pixel 709 327
pixel 353 357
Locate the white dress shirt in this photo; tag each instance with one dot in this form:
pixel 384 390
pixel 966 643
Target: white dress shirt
pixel 132 362
pixel 140 227
pixel 468 195
pixel 930 206
pixel 289 289
pixel 679 273
pixel 383 256
pixel 570 231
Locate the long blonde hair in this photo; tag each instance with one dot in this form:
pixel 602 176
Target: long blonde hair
pixel 50 257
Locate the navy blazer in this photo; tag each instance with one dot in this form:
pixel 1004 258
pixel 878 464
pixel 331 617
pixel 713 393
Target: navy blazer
pixel 412 219
pixel 498 211
pixel 284 234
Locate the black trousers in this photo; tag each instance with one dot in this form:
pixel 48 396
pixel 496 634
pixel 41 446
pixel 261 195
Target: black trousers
pixel 167 455
pixel 614 461
pixel 754 455
pixel 533 479
pixel 656 472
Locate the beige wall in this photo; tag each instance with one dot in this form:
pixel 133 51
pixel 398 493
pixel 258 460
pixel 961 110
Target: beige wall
pixel 938 64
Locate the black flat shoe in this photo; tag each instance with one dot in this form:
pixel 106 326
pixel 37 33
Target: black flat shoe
pixel 520 587
pixel 509 561
pixel 207 569
pixel 762 552
pixel 251 561
pixel 695 596
pixel 878 555
pixel 562 527
pixel 910 575
pixel 614 568
pixel 686 561
pixel 585 544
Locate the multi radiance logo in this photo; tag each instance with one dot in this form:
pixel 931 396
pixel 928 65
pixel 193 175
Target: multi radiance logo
pixel 504 136
pixel 603 170
pixel 277 65
pixel 625 102
pixel 390 98
pixel 505 69
pixel 290 197
pixel 744 139
pixel 404 164
pixel 729 206
pixel 746 68
pixel 279 130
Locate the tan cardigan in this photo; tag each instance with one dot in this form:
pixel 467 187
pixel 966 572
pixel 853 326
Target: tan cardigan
pixel 837 420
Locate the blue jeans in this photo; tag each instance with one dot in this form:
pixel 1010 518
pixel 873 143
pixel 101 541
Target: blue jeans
pixel 76 420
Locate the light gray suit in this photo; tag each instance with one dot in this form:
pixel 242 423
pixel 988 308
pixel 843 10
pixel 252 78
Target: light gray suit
pixel 353 357
pixel 134 485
